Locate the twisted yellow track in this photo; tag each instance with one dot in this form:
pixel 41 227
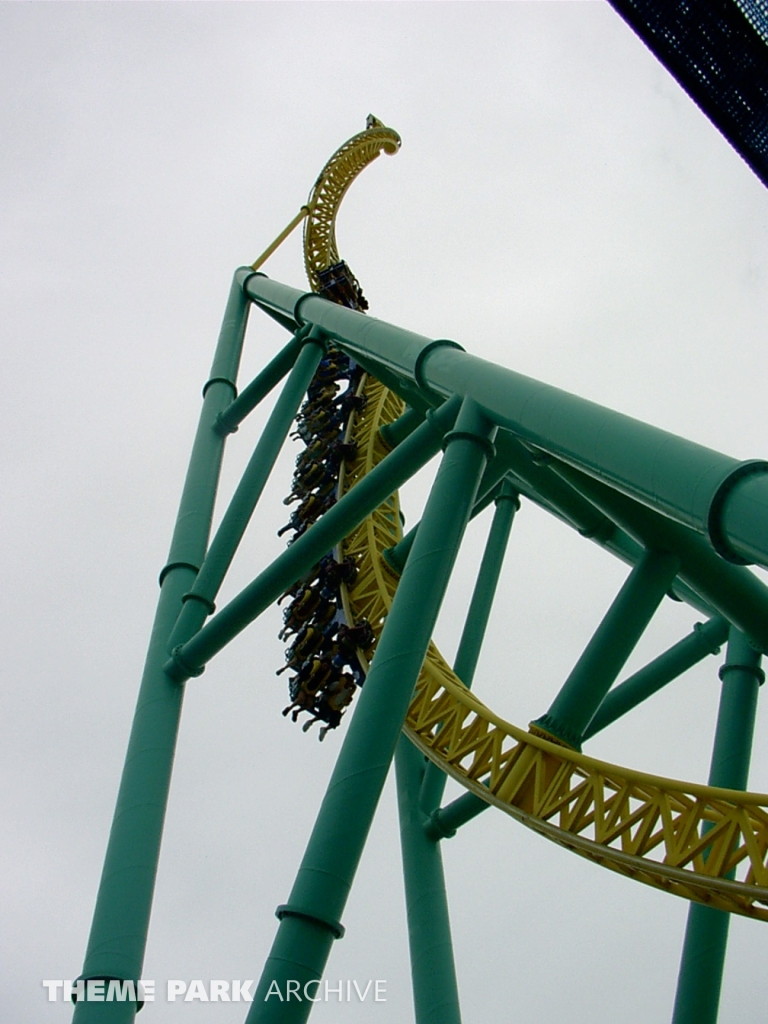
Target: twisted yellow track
pixel 347 162
pixel 643 826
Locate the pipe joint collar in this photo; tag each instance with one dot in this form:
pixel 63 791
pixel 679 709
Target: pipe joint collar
pixel 715 530
pixel 418 366
pixel 286 910
pixel 311 333
pixel 467 435
pixel 244 275
pixel 297 308
pixel 138 988
pixel 507 492
pixel 176 565
pixel 180 669
pixel 220 380
pixel 207 603
pixel 752 670
pixel 435 829
pixel 703 634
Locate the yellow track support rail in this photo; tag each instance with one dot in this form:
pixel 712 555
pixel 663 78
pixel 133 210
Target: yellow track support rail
pixel 705 844
pixel 643 826
pixel 347 162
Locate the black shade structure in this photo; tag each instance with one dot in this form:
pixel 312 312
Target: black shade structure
pixel 718 52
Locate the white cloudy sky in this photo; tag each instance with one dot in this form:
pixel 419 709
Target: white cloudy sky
pixel 559 206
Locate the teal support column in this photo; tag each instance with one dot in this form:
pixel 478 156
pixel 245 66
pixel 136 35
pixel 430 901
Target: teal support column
pixel 199 602
pixel 606 653
pixel 393 433
pixel 476 624
pixel 729 590
pixel 473 634
pixel 433 971
pixel 262 384
pixel 487 492
pixel 706 935
pixel 445 821
pixel 121 918
pixel 397 555
pixel 706 639
pixel 725 500
pixel 420 788
pixel 310 920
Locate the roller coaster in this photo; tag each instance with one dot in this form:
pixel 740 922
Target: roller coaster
pixel 372 404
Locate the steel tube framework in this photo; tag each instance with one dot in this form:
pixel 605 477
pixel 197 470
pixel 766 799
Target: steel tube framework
pixel 706 936
pixel 435 990
pixel 121 918
pixel 730 590
pixel 261 385
pixel 399 466
pixel 310 920
pixel 687 482
pixel 607 651
pixel 199 602
pixel 705 639
pixel 684 517
pixel 476 623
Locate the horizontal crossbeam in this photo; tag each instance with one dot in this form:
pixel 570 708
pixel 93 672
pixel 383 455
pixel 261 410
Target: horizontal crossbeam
pixel 716 495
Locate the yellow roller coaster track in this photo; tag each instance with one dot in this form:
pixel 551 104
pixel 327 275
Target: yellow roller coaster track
pixel 643 826
pixel 347 162
pixel 705 844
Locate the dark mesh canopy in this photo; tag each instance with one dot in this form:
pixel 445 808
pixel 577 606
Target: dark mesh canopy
pixel 718 51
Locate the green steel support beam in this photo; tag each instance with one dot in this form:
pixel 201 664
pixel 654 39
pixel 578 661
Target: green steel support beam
pixel 473 634
pixel 199 602
pixel 741 677
pixel 394 433
pixel 416 450
pixel 614 539
pixel 397 555
pixel 717 496
pixel 606 653
pixel 706 935
pixel 435 992
pixel 543 486
pixel 262 384
pixel 732 591
pixel 538 481
pixel 310 920
pixel 558 495
pixel 706 639
pixel 741 515
pixel 445 821
pixel 121 918
pixel 487 492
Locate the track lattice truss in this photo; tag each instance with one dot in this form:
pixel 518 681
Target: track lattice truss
pixel 643 826
pixel 706 844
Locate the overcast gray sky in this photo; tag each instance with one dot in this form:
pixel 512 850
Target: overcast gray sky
pixel 559 206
